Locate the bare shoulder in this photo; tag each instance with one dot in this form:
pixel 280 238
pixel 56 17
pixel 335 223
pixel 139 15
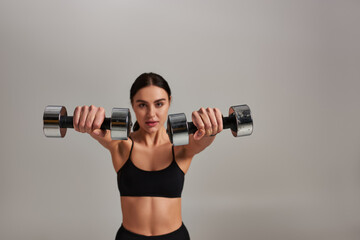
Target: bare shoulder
pixel 120 151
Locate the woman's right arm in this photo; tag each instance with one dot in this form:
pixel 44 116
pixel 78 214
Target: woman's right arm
pixel 88 119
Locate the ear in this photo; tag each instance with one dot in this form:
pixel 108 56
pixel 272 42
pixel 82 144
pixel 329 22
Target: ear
pixel 170 98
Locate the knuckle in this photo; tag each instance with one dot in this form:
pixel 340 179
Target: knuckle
pixel 88 124
pixel 200 124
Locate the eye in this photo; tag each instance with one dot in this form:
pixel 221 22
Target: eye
pixel 159 104
pixel 141 105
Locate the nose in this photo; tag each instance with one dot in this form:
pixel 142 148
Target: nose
pixel 151 112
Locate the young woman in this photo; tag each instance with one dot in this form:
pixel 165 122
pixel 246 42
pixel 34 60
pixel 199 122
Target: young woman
pixel 150 171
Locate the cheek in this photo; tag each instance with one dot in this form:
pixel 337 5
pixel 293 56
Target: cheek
pixel 139 114
pixel 163 114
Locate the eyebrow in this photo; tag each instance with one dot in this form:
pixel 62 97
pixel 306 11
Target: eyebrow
pixel 158 100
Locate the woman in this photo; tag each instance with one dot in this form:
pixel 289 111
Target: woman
pixel 150 170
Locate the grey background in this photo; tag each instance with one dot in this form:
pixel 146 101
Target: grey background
pixel 295 63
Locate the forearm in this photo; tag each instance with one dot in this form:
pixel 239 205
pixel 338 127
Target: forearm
pixel 105 140
pixel 196 146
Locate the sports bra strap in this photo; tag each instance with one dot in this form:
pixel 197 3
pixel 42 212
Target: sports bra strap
pixel 173 153
pixel 132 145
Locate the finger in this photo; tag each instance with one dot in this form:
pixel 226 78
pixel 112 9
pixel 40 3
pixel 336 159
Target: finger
pixel 76 118
pixel 219 119
pixel 206 120
pixel 84 113
pixel 196 119
pixel 98 133
pixel 213 120
pixel 90 119
pixel 98 121
pixel 99 118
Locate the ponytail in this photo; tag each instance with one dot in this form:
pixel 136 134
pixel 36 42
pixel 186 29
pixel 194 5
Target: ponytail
pixel 136 126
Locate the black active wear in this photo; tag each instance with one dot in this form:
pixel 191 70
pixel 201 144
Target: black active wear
pixel 167 182
pixel 179 234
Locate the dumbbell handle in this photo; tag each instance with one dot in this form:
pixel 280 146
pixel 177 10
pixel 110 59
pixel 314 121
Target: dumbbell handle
pixel 67 122
pixel 228 122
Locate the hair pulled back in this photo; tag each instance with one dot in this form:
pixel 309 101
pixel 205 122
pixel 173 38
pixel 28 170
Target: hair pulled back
pixel 145 80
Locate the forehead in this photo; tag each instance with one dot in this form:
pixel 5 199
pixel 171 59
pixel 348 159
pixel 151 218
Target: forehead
pixel 151 93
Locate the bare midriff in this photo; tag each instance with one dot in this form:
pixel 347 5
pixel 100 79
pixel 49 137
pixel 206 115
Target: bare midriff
pixel 151 216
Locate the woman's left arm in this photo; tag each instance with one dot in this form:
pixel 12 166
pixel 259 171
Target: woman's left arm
pixel 209 123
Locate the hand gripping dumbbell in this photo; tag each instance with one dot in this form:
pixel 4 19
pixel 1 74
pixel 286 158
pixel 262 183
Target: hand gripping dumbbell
pixel 239 121
pixel 56 122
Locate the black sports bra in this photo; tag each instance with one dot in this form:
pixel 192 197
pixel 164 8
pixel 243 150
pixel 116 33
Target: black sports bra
pixel 167 182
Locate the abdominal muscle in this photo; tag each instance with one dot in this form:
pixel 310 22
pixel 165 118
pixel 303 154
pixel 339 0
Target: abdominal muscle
pixel 151 216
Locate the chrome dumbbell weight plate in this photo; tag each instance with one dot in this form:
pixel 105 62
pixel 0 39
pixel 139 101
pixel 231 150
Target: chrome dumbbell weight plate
pixel 120 123
pixel 244 123
pixel 177 129
pixel 51 120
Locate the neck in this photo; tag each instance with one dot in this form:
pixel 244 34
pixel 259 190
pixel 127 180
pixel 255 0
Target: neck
pixel 154 138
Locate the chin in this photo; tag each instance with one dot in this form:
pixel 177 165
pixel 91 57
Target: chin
pixel 151 129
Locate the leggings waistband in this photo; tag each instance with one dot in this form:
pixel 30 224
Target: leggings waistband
pixel 179 234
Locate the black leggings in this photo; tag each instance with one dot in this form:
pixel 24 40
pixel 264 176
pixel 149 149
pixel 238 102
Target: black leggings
pixel 179 234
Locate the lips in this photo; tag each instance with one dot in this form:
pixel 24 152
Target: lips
pixel 151 123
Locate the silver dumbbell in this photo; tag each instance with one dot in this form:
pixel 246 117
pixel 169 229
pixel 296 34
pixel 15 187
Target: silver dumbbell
pixel 239 121
pixel 56 122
